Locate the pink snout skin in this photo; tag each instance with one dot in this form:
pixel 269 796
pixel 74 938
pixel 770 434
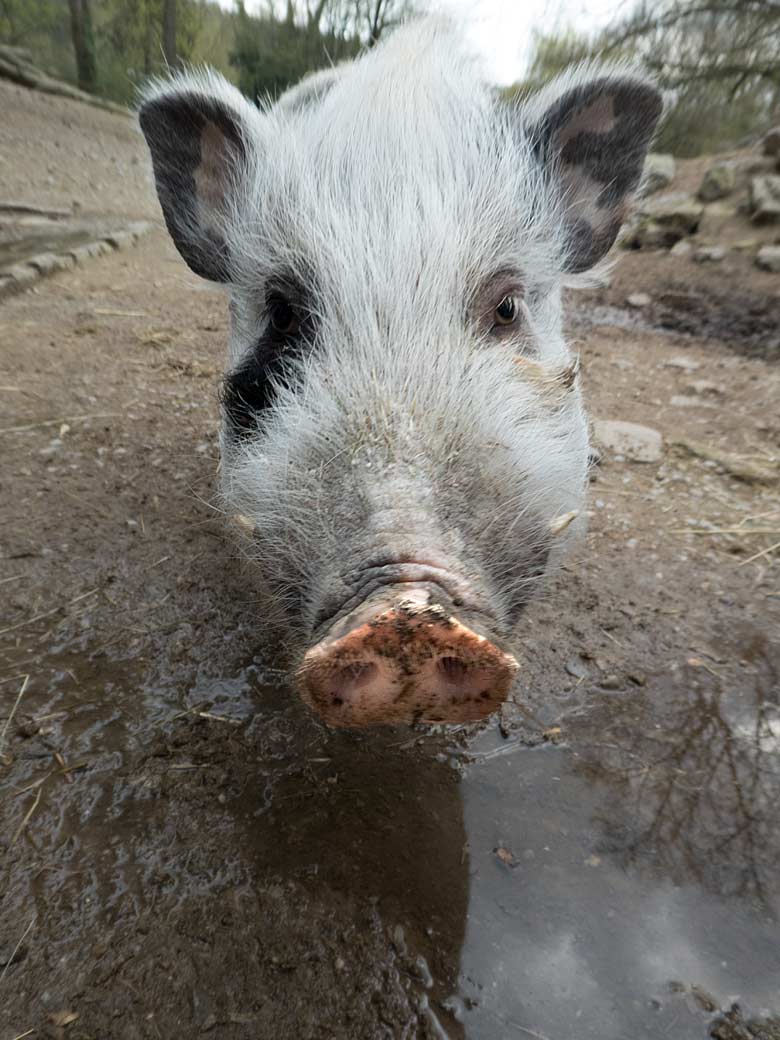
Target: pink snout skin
pixel 410 662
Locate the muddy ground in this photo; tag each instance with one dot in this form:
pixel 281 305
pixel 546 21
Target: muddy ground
pixel 185 851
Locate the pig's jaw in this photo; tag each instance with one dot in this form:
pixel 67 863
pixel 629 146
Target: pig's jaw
pixel 401 657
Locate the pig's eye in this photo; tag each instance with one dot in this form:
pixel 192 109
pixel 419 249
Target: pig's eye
pixel 283 319
pixel 506 312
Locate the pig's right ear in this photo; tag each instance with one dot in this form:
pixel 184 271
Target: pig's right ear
pixel 201 132
pixel 590 130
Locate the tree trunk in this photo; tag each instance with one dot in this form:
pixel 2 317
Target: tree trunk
pixel 83 43
pixel 169 33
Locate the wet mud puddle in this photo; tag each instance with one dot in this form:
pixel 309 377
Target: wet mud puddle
pixel 215 862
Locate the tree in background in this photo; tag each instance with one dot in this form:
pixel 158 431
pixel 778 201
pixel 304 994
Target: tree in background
pixel 83 43
pixel 169 33
pixel 116 44
pixel 274 50
pixel 720 59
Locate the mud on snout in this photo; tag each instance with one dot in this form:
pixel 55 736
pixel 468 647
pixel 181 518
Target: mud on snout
pixel 402 659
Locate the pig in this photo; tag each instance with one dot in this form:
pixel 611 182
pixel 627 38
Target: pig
pixel 402 432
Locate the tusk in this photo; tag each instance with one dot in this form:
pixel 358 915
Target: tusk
pixel 560 523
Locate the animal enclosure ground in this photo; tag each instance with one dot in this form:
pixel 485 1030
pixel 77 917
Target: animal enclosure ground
pixel 185 851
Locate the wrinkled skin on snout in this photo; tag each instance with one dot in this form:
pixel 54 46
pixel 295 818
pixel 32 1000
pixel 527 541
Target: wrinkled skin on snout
pixel 403 435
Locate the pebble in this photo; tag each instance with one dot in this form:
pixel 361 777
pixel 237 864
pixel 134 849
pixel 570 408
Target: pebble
pixel 687 364
pixel 634 442
pixel 709 255
pixel 610 682
pixel 638 300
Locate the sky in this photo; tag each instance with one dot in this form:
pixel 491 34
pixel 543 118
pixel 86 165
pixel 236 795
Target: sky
pixel 501 30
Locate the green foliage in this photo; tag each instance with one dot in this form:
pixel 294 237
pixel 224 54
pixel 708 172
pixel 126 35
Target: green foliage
pixel 264 54
pixel 127 38
pixel 272 55
pixel 43 28
pixel 718 59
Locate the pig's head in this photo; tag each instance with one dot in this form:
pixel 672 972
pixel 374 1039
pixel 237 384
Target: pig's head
pixel 402 424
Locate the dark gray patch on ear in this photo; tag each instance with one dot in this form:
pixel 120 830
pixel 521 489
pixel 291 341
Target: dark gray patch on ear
pixel 188 133
pixel 593 140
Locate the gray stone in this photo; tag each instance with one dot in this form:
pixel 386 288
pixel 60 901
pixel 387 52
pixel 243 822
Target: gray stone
pixel 709 255
pixel 23 275
pixel 90 251
pixel 684 363
pixel 768 259
pixel 636 443
pixel 765 199
pixel 675 215
pixel 681 248
pixel 718 182
pixel 658 172
pixel 650 235
pixel 687 401
pixel 771 142
pixel 48 263
pixel 638 300
pixel 121 239
pixel 705 387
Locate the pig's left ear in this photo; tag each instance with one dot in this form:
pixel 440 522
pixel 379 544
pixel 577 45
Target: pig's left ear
pixel 201 132
pixel 591 131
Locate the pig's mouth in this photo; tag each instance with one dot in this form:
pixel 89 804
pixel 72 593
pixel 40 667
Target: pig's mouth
pixel 396 652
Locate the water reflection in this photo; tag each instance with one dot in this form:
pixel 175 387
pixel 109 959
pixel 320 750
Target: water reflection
pixel 640 891
pixel 694 778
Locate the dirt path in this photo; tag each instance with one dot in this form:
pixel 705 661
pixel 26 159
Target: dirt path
pixel 184 851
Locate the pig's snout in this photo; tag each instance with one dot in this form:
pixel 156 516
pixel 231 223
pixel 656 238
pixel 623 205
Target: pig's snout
pixel 408 660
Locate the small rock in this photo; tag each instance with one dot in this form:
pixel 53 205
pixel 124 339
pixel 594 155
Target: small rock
pixel 745 244
pixel 658 172
pixel 718 182
pixel 705 387
pixel 681 248
pixel 610 682
pixel 636 443
pixel 649 234
pixel 709 254
pixel 48 263
pixel 771 142
pixel 768 259
pixel 686 364
pixel 506 856
pixel 765 199
pixel 677 215
pixel 638 300
pixel 684 401
pixel 576 669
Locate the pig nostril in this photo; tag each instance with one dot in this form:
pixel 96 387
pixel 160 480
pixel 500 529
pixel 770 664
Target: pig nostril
pixel 350 680
pixel 452 668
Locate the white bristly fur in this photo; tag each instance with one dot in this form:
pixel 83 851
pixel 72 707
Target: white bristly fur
pixel 394 187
